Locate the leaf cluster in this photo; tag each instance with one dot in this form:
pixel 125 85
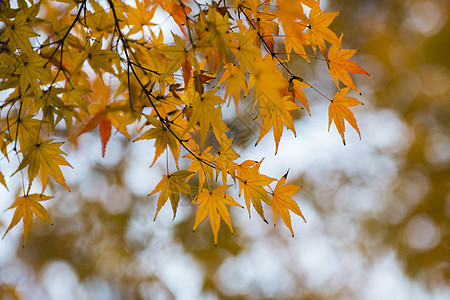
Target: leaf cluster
pixel 77 66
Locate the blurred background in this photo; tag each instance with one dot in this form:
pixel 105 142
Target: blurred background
pixel 377 210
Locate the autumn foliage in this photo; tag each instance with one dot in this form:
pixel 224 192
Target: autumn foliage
pixel 70 67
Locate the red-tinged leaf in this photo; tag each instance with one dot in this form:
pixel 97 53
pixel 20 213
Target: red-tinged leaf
pixel 186 68
pixel 105 134
pixel 339 65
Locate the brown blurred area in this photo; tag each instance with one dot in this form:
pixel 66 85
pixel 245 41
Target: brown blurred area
pixel 405 45
pixel 385 203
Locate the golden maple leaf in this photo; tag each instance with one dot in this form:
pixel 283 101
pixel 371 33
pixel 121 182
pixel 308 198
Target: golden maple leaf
pixel 212 205
pixel 44 157
pixel 317 29
pixel 170 187
pixel 339 110
pixel 25 207
pixel 282 202
pixel 253 183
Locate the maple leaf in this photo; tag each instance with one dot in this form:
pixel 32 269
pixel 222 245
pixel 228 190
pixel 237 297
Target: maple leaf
pixel 318 30
pixel 139 17
pixel 224 160
pixel 295 40
pixel 212 205
pixel 252 183
pixel 167 134
pixel 170 187
pixel 294 90
pixel 97 58
pixel 2 180
pixel 179 14
pixel 106 115
pixel 338 111
pixel 180 57
pixel 46 157
pixel 201 164
pixel 266 27
pixel 205 112
pixel 214 28
pixel 32 71
pixel 339 64
pixel 247 51
pixel 282 202
pixel 25 207
pixel 234 81
pixel 18 32
pixel 275 113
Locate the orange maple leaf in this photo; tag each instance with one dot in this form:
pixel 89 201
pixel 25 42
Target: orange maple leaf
pixel 26 206
pixel 318 30
pixel 339 64
pixel 339 110
pixel 282 202
pixel 252 182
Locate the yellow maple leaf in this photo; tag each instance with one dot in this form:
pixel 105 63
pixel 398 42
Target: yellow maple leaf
pixel 214 30
pixel 201 163
pixel 17 32
pixel 32 72
pixel 46 157
pixel 205 112
pixel 170 187
pixel 179 54
pixel 225 160
pixel 166 135
pixel 318 30
pixel 25 207
pixel 247 51
pixel 234 81
pixel 339 110
pixel 295 40
pixel 282 202
pixel 275 113
pixel 99 59
pixel 253 183
pixel 212 205
pixel 139 17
